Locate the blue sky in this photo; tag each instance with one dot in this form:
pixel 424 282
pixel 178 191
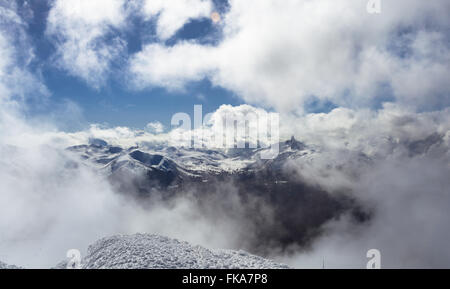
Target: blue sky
pixel 115 104
pixel 129 63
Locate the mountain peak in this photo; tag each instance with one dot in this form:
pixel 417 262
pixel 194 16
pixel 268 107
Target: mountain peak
pixel 97 142
pixel 295 144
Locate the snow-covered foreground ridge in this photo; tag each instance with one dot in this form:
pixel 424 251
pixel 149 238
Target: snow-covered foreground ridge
pixel 148 251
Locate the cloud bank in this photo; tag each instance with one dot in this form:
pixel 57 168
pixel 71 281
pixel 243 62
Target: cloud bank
pixel 279 56
pixel 283 56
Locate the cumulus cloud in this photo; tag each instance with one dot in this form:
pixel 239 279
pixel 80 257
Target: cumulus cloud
pixel 80 30
pixel 284 55
pixel 170 67
pixel 87 33
pixel 155 127
pixel 371 132
pixel 172 15
pixel 228 127
pixel 16 80
pixel 251 123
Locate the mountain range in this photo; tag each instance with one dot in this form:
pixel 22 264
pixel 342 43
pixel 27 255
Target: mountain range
pixel 282 209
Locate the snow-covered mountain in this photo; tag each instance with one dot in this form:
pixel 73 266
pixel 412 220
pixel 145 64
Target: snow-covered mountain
pixel 147 251
pixel 213 178
pixel 171 165
pixel 148 167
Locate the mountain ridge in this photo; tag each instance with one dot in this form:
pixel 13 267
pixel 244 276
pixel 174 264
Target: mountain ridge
pixel 150 251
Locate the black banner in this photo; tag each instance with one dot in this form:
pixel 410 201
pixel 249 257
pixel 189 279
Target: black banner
pixel 208 278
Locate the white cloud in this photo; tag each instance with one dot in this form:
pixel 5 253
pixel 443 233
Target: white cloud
pixel 227 127
pixel 85 31
pixel 347 139
pixel 79 29
pixel 282 54
pixel 155 127
pixel 172 15
pixel 170 67
pixel 16 53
